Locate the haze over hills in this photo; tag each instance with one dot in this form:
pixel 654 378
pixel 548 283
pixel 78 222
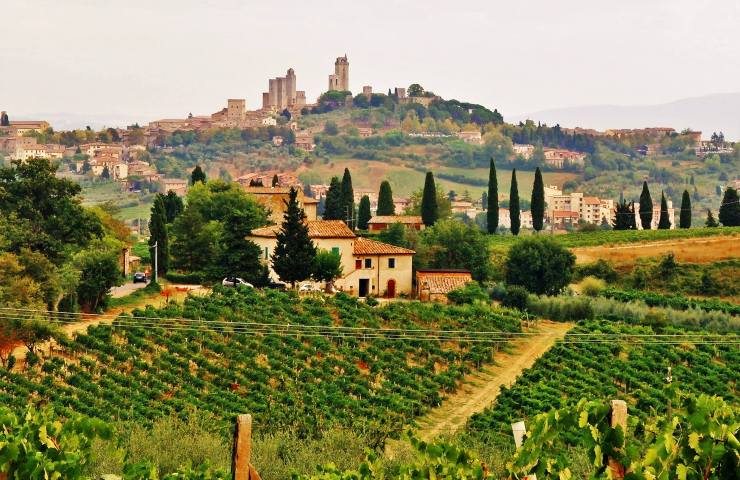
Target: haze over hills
pixel 710 113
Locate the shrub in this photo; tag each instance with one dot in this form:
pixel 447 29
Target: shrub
pixel 516 297
pixel 540 265
pixel 592 286
pixel 194 278
pixel 468 294
pixel 599 269
pixel 498 292
pixel 562 309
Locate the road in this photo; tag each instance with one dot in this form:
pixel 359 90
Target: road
pixel 126 289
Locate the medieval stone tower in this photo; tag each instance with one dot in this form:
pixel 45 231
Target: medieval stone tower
pixel 340 79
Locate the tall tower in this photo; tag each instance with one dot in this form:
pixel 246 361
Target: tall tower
pixel 290 87
pixel 340 79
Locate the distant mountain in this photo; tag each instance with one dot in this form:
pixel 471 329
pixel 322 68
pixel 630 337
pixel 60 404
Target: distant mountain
pixel 711 113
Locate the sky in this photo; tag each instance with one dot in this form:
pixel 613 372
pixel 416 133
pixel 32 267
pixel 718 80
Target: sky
pixel 141 60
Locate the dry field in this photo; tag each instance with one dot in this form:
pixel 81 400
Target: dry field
pixel 690 250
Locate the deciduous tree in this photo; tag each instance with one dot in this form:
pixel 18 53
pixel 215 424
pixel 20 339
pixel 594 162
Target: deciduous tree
pixel 729 211
pixel 327 266
pixel 540 265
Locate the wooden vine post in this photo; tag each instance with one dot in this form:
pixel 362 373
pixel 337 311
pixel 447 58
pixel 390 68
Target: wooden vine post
pixel 241 466
pixel 618 418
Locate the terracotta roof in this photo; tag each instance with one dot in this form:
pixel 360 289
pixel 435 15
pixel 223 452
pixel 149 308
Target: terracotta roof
pixel 565 214
pixel 316 229
pixel 395 219
pixel 440 281
pixel 591 201
pixel 365 246
pixel 267 190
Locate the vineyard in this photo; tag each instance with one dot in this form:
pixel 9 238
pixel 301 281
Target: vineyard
pixel 608 370
pixel 145 369
pixel 678 302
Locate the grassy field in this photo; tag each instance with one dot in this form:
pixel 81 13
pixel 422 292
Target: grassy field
pixel 405 180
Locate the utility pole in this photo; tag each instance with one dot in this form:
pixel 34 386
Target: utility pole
pixel 669 380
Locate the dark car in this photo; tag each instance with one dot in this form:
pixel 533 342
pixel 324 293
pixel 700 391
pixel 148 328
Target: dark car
pixel 277 286
pixel 140 277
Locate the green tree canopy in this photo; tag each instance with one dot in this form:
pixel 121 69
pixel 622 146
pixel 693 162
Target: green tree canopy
pixel 711 221
pixel 333 204
pixel 294 253
pixel 646 207
pixel 363 213
pixel 158 235
pixel 429 208
pixel 385 199
pixel 327 266
pixel 514 212
pixel 729 211
pixel 685 217
pixel 540 265
pixel 197 175
pixel 173 205
pixel 238 257
pixel 492 199
pixel 537 205
pixel 664 222
pixel 347 198
pixel 452 244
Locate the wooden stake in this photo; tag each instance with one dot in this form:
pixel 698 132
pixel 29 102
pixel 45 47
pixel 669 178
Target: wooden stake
pixel 618 418
pixel 520 430
pixel 242 453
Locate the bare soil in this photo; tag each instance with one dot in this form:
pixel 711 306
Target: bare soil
pixel 692 250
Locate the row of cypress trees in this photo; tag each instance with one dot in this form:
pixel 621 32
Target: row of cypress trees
pixel 537 203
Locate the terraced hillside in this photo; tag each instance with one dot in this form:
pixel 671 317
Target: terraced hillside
pixel 301 372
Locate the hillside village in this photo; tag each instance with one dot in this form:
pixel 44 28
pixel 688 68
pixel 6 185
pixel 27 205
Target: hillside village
pixel 379 285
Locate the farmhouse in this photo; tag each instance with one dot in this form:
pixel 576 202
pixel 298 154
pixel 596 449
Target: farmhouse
pixel 369 267
pixel 433 285
pixel 275 200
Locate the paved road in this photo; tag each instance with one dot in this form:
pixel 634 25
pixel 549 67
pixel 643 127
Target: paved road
pixel 125 289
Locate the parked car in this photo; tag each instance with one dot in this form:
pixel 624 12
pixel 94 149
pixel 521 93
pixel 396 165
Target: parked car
pixel 235 282
pixel 278 286
pixel 140 277
pixel 306 287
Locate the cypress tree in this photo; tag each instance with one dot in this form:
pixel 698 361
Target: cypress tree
pixel 197 175
pixel 385 200
pixel 729 211
pixel 538 201
pixel 492 199
pixel 633 217
pixel 484 200
pixel 664 223
pixel 106 173
pixel 514 213
pixel 685 218
pixel 646 207
pixel 332 206
pixel 347 198
pixel 711 222
pixel 294 253
pixel 275 180
pixel 363 213
pixel 158 235
pixel 429 208
pixel 173 205
pixel 622 218
pixel 4 120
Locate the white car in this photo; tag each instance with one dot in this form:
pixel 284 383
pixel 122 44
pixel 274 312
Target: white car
pixel 306 287
pixel 235 282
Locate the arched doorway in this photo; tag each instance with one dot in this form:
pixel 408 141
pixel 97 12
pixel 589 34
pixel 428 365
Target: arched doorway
pixel 390 290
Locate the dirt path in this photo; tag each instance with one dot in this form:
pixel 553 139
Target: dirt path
pixel 481 388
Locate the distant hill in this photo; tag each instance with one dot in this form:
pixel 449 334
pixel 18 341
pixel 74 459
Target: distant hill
pixel 711 113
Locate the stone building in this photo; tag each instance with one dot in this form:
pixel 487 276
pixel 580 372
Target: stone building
pixel 282 93
pixel 339 80
pixel 236 110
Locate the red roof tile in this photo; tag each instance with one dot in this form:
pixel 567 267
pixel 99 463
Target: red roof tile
pixel 365 246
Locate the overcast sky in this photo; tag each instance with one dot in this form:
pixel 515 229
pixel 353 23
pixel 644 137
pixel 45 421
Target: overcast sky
pixel 147 59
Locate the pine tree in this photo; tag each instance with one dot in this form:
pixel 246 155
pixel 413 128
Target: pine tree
pixel 333 204
pixel 685 218
pixel 492 200
pixel 294 253
pixel 238 257
pixel 106 173
pixel 622 220
pixel 385 200
pixel 197 175
pixel 429 208
pixel 158 234
pixel 363 213
pixel 275 180
pixel 664 222
pixel 729 210
pixel 711 222
pixel 646 207
pixel 537 205
pixel 514 213
pixel 347 198
pixel 173 205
